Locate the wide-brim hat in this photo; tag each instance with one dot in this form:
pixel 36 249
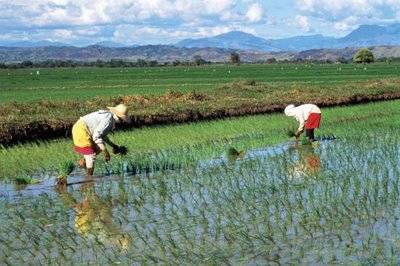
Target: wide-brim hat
pixel 121 111
pixel 288 109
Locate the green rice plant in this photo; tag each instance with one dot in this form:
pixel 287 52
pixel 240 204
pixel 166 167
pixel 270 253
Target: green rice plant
pixel 291 132
pixel 65 168
pixel 26 179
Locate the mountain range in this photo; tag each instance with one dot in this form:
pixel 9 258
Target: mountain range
pixel 364 35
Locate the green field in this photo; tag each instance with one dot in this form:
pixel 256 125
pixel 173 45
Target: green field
pixel 85 83
pixel 233 191
pixel 271 203
pixel 46 106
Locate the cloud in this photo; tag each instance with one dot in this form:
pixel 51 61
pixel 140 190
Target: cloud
pixel 62 34
pixel 73 20
pixel 42 13
pixel 336 10
pixel 338 17
pixel 255 12
pixel 303 23
pixel 346 24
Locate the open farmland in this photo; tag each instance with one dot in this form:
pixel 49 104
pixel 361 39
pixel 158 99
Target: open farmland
pixel 268 203
pixel 46 105
pixel 85 83
pixel 225 190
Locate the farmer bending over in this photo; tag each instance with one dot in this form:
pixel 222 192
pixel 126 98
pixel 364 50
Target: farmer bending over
pixel 90 134
pixel 309 117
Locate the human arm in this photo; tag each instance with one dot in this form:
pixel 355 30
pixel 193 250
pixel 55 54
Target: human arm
pixel 100 136
pixel 115 148
pixel 107 140
pixel 298 133
pixel 300 130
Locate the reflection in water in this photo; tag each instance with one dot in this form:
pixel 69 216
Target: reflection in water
pixel 93 216
pixel 308 163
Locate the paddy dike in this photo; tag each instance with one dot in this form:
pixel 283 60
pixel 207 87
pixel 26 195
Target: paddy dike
pixel 45 120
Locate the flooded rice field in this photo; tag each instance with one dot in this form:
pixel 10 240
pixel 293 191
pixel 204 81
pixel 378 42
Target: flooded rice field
pixel 333 203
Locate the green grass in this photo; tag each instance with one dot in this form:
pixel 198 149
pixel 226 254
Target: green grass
pixel 182 145
pixel 85 83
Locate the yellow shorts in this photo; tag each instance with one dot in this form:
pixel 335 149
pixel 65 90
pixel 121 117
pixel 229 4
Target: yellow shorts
pixel 81 137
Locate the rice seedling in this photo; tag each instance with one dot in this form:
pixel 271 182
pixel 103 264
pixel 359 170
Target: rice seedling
pixel 25 179
pixel 64 170
pixel 291 132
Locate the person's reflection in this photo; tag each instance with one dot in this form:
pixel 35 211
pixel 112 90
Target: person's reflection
pixel 309 163
pixel 93 215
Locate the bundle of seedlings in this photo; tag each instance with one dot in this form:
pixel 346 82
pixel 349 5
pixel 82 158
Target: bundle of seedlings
pixel 64 170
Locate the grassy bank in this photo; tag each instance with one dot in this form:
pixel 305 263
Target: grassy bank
pixel 20 122
pixel 181 145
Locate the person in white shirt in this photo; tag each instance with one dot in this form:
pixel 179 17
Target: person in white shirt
pixel 308 116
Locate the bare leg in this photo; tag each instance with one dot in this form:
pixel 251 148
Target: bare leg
pixel 82 163
pixel 310 134
pixel 89 159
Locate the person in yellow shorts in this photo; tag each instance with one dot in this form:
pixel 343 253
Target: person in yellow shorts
pixel 89 134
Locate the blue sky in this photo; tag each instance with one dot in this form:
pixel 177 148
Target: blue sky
pixel 83 22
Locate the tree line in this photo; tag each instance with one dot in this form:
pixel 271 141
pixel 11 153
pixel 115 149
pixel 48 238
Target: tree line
pixel 362 56
pixel 71 63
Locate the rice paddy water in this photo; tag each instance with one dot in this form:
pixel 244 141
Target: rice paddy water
pixel 329 204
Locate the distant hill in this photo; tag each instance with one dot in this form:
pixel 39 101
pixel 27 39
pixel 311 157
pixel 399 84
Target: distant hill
pixel 161 53
pixel 232 40
pixel 168 53
pixel 365 35
pixel 301 43
pixel 373 35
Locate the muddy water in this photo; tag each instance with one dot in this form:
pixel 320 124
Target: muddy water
pixel 276 205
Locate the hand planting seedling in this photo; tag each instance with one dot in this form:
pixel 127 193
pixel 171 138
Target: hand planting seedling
pixel 122 150
pixel 64 170
pixel 308 116
pixel 234 154
pixel 291 132
pixel 89 134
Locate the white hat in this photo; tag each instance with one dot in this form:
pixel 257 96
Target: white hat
pixel 121 110
pixel 288 109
